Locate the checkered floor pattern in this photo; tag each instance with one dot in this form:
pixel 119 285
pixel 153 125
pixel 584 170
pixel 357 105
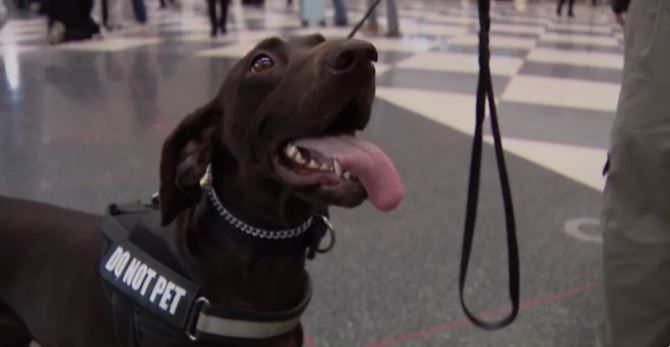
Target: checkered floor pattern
pixel 568 68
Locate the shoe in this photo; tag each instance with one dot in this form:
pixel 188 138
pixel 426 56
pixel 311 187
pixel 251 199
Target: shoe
pixel 341 23
pixel 372 27
pixel 214 32
pixel 56 33
pixel 570 14
pixel 393 34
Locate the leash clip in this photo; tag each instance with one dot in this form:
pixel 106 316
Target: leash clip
pixel 318 236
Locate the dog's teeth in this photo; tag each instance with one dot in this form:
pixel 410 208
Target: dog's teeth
pixel 347 175
pixel 337 167
pixel 291 150
pixel 294 154
pixel 324 167
pixel 298 158
pixel 312 164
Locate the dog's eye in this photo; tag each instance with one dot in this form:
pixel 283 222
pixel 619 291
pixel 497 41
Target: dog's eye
pixel 261 63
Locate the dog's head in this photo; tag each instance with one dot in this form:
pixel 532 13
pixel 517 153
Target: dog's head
pixel 286 119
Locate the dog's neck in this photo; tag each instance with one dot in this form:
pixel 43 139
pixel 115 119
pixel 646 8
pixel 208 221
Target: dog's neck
pixel 234 273
pixel 259 201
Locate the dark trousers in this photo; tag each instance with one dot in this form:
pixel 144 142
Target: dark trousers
pixel 164 3
pixel 75 15
pixel 215 21
pixel 561 3
pixel 140 11
pixel 104 15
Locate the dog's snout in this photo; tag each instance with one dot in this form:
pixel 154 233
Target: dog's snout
pixel 348 53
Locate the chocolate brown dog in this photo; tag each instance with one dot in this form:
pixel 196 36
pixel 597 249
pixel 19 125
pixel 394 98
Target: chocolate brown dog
pixel 279 141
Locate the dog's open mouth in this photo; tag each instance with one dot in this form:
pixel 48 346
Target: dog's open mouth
pixel 343 165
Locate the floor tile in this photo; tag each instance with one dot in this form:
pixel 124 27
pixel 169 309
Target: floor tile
pixel 596 96
pixel 108 45
pixel 579 39
pixel 461 62
pixel 496 42
pixel 575 72
pixel 446 81
pixel 558 56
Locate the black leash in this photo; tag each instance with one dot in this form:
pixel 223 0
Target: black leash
pixel 484 93
pixel 360 23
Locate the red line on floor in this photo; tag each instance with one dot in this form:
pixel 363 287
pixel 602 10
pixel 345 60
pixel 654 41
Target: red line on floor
pixel 161 124
pixel 309 342
pixel 461 323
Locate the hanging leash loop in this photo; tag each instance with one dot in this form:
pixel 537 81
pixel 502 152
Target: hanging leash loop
pixel 484 95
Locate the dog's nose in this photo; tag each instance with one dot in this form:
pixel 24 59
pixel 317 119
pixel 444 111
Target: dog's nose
pixel 348 53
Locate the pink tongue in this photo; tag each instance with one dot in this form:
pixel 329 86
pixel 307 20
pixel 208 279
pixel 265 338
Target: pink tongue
pixel 367 162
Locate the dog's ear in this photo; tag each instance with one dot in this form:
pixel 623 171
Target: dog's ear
pixel 184 158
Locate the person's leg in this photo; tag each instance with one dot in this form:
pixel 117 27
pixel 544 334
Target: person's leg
pixel 90 26
pixel 559 8
pixel 115 14
pixel 635 219
pixel 104 4
pixel 139 11
pixel 372 25
pixel 143 11
pixel 211 10
pixel 79 24
pixel 392 18
pixel 340 13
pixel 571 3
pixel 224 15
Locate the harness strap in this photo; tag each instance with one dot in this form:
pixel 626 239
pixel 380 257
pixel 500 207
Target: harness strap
pixel 212 321
pixel 124 322
pixel 138 312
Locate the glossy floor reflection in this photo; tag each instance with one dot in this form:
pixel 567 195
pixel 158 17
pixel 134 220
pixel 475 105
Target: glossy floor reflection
pixel 81 126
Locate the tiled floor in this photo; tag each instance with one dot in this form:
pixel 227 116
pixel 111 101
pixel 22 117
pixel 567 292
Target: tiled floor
pixel 81 126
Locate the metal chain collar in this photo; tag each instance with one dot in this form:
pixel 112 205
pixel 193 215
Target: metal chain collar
pixel 206 183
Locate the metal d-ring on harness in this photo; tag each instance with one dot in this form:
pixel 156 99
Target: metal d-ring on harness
pixel 484 94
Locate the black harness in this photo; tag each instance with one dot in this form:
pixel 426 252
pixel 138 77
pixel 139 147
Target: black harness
pixel 153 293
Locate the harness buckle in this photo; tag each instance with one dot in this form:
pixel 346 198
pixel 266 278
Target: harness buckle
pixel 192 323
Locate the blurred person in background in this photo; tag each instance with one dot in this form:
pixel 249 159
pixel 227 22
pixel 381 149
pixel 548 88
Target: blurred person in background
pixel 340 13
pixel 140 11
pixel 391 17
pixel 620 7
pixel 559 9
pixel 218 23
pixel 70 20
pixel 4 14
